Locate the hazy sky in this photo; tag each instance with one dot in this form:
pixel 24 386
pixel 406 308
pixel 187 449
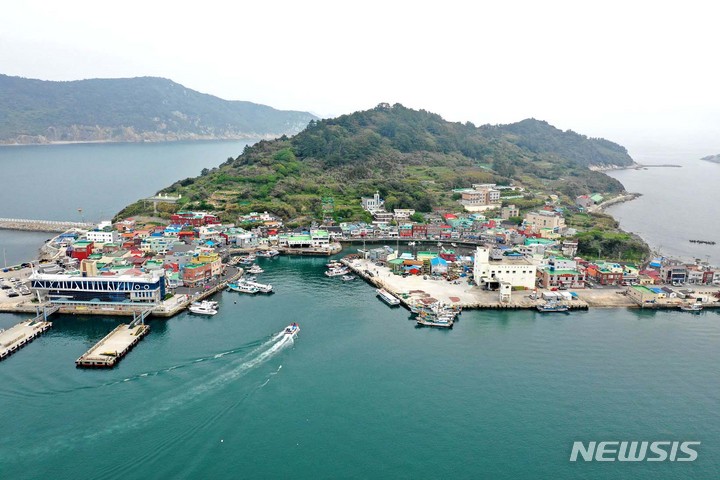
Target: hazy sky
pixel 632 71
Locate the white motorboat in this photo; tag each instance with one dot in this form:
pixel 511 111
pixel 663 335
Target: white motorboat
pixel 348 278
pixel 292 330
pixel 202 309
pixel 332 265
pixel 255 269
pixel 267 253
pixel 694 307
pixel 262 288
pixel 207 303
pixel 337 272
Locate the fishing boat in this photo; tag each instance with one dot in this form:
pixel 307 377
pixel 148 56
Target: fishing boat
pixel 348 278
pixel 691 307
pixel 387 297
pixel 262 288
pixel 202 309
pixel 332 265
pixel 549 307
pixel 243 288
pixel 336 272
pixel 267 253
pixel 255 269
pixel 438 322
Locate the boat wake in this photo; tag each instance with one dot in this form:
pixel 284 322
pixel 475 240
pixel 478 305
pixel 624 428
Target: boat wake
pixel 229 372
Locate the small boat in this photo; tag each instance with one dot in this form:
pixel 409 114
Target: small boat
pixel 261 287
pixel 243 288
pixel 437 322
pixel 387 297
pixel 693 307
pixel 337 272
pixel 202 309
pixel 267 253
pixel 292 330
pixel 549 307
pixel 348 278
pixel 255 269
pixel 209 303
pixel 332 265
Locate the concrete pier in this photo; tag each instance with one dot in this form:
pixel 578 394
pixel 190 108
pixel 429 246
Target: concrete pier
pixel 16 337
pixel 113 347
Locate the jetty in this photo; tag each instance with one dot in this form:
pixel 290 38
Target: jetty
pixel 42 225
pixel 113 347
pixel 19 335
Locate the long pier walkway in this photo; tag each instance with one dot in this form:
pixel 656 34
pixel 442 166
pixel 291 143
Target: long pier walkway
pixel 113 347
pixel 41 225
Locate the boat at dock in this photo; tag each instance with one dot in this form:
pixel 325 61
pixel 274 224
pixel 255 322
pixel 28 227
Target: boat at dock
pixel 243 288
pixel 693 307
pixel 430 321
pixel 332 265
pixel 348 278
pixel 387 297
pixel 267 253
pixel 337 272
pixel 261 287
pixel 255 269
pixel 550 307
pixel 202 309
pixel 292 330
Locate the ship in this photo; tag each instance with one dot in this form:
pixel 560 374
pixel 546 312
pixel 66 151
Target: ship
pixel 434 322
pixel 691 307
pixel 550 307
pixel 387 297
pixel 203 308
pixel 267 253
pixel 261 287
pixel 336 272
pixel 243 288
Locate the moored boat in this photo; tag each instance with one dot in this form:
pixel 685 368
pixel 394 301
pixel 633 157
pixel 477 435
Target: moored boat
pixel 267 253
pixel 387 297
pixel 691 307
pixel 549 307
pixel 255 269
pixel 337 272
pixel 262 287
pixel 243 288
pixel 348 278
pixel 424 321
pixel 202 309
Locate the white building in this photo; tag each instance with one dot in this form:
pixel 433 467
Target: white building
pixel 374 203
pixel 102 236
pixel 517 271
pixel 402 214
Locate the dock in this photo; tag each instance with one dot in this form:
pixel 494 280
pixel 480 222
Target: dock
pixel 16 337
pixel 113 347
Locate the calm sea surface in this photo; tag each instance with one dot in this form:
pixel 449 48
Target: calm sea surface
pixel 678 204
pixel 361 393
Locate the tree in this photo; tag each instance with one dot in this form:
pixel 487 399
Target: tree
pixel 417 217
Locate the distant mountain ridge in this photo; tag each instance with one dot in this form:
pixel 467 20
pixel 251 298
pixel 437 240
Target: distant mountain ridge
pixel 712 158
pixel 130 110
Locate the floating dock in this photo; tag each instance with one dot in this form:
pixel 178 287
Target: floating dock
pixel 16 337
pixel 111 349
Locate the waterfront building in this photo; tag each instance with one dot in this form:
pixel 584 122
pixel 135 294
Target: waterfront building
pixel 551 276
pixel 674 272
pixel 128 286
pixel 518 271
pixel 605 273
pixel 195 274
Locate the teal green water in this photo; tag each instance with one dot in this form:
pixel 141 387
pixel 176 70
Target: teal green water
pixel 361 393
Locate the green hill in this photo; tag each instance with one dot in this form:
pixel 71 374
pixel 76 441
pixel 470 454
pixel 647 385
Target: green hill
pixel 130 109
pixel 415 158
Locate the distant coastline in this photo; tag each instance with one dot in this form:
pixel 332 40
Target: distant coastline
pixel 712 158
pixel 148 140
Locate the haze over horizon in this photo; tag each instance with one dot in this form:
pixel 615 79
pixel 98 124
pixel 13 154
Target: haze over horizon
pixel 638 74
